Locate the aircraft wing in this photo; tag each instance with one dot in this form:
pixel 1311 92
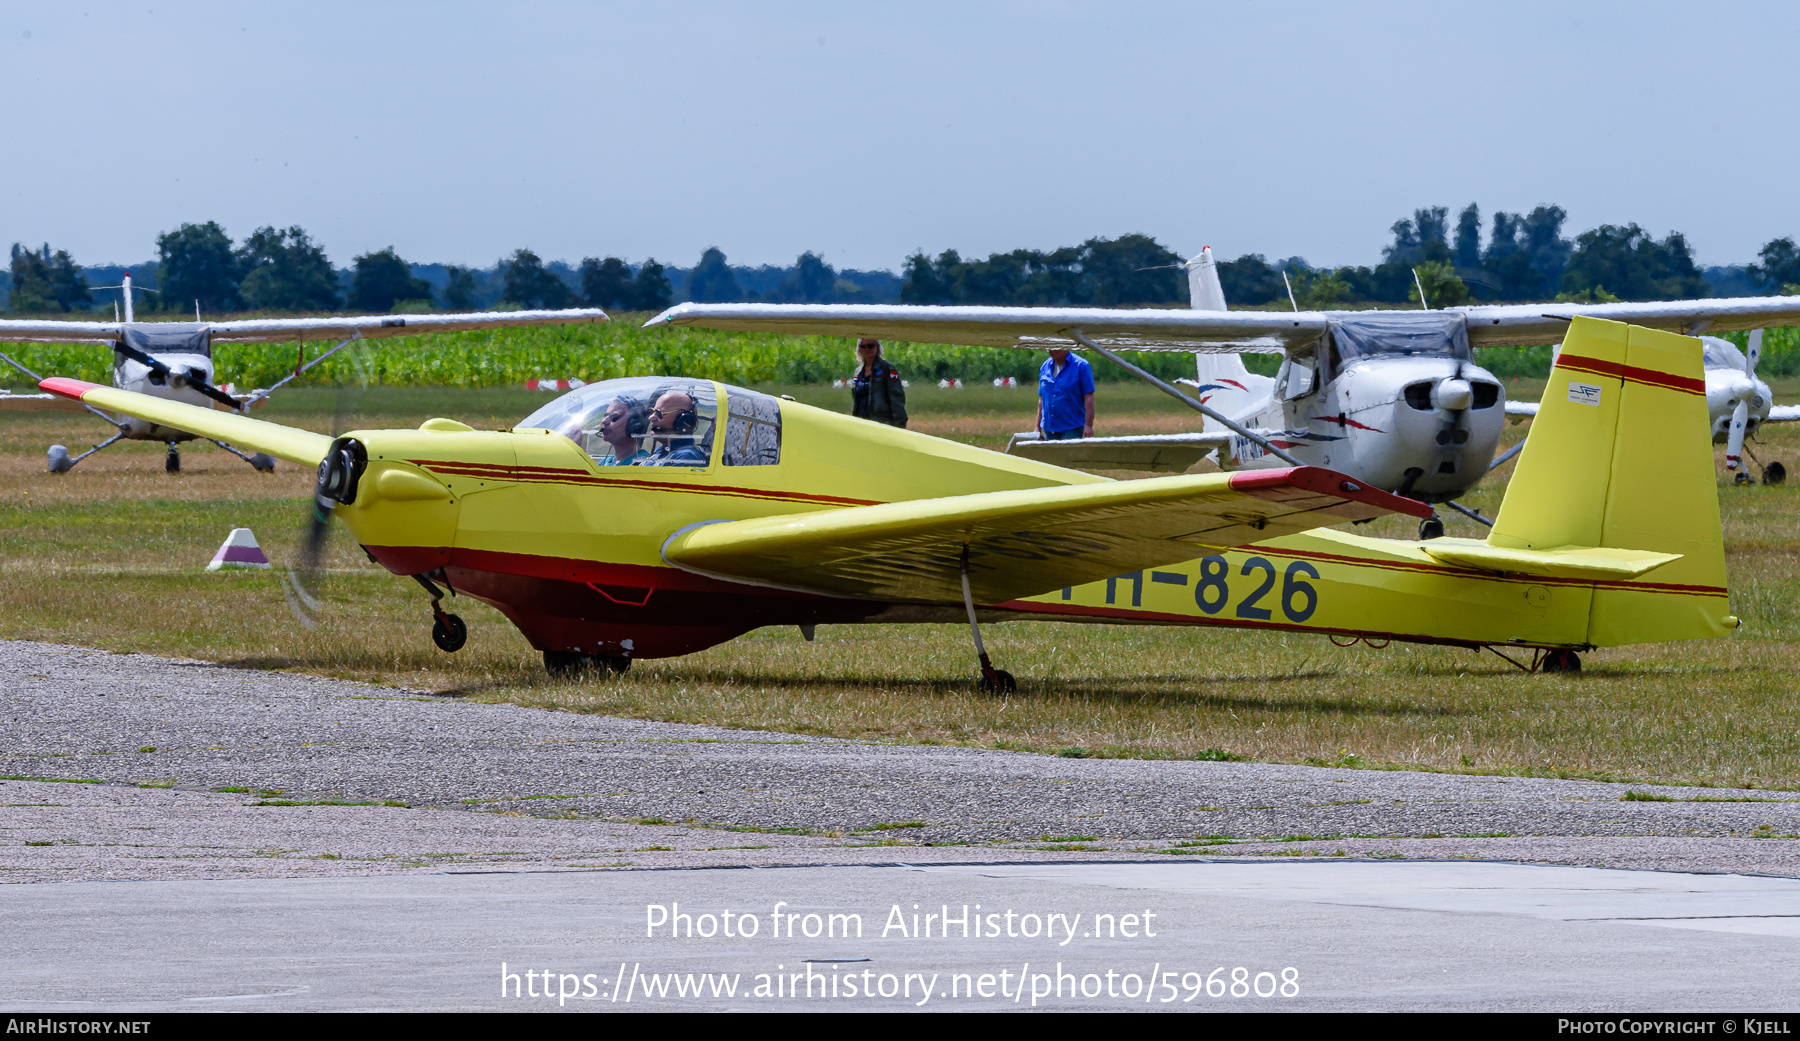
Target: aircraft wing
pixel 290 443
pixel 1511 325
pixel 1521 408
pixel 1021 543
pixel 261 330
pixel 1157 453
pixel 1777 414
pixel 10 402
pixel 1145 329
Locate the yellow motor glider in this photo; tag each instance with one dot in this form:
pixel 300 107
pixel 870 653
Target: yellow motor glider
pixel 652 517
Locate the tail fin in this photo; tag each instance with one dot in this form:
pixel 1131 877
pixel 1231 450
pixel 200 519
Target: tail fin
pixel 1204 291
pixel 1224 383
pixel 1620 457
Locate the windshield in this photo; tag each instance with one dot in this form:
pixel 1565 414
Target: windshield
pixel 637 421
pixel 1721 354
pixel 1358 335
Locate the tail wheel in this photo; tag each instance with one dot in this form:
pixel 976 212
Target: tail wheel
pixel 1561 661
pixel 1774 473
pixel 449 633
pixel 1431 528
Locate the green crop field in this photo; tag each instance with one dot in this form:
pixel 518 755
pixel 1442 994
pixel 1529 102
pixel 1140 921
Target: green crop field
pixel 112 555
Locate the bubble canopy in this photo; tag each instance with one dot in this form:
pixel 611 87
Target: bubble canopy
pixel 664 421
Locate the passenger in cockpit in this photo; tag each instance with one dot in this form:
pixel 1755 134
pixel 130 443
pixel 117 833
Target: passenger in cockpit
pixel 623 426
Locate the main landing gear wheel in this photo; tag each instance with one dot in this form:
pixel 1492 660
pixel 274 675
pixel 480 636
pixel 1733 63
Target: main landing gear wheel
pixel 1561 661
pixel 449 633
pixel 996 681
pixel 264 464
pixel 172 462
pixel 568 665
pixel 1431 528
pixel 1774 473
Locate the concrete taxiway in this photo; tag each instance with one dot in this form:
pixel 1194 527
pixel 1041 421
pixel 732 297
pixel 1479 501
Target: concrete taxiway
pixel 1165 936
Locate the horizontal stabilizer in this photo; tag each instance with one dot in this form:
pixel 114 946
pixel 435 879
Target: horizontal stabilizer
pixel 1156 453
pixel 1577 562
pixel 1020 543
pixel 290 443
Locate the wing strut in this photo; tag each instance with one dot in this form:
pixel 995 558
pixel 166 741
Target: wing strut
pixel 1242 431
pixel 992 679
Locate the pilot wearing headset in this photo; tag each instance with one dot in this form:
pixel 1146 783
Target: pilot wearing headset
pixel 623 426
pixel 673 417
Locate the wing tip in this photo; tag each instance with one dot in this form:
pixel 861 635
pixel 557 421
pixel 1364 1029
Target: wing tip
pixel 1322 481
pixel 63 386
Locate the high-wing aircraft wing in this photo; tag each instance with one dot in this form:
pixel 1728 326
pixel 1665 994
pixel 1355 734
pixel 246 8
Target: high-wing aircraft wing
pixel 1783 414
pixel 10 402
pixel 1521 408
pixel 1148 329
pixel 296 446
pixel 1158 329
pixel 1511 325
pixel 1021 543
pixel 263 330
pixel 1156 453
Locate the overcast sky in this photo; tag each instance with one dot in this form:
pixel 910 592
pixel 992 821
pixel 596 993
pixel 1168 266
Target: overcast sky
pixel 457 132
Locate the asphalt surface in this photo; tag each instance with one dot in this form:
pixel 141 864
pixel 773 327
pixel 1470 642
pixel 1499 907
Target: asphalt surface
pixel 502 785
pixel 234 839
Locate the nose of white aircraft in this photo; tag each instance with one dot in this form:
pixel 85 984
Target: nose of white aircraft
pixel 1453 394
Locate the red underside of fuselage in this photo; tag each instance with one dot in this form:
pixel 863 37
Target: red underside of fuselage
pixel 617 609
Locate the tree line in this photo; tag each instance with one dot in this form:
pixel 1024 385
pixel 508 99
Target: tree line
pixel 199 267
pixel 1525 257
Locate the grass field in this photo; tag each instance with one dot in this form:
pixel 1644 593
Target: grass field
pixel 112 556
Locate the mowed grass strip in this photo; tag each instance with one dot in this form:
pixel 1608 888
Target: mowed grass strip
pixel 112 556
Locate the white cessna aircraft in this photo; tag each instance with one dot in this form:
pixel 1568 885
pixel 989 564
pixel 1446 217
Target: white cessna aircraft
pixel 1391 397
pixel 1737 399
pixel 174 360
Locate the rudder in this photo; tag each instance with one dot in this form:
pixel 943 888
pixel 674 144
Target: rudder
pixel 1620 456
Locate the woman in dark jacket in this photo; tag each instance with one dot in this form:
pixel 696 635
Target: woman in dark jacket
pixel 876 391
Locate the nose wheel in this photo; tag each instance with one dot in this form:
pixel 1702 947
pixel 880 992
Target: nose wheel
pixel 447 630
pixel 172 461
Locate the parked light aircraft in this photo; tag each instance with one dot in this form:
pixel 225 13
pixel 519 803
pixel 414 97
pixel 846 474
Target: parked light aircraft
pixel 174 360
pixel 1392 398
pixel 770 512
pixel 1737 401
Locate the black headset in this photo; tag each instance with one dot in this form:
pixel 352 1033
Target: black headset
pixel 687 420
pixel 637 417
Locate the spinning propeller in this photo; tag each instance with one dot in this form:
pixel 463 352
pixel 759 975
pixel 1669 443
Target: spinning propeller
pixel 177 379
pixel 336 483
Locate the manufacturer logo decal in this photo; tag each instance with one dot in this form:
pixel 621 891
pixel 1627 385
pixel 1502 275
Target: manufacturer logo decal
pixel 1584 393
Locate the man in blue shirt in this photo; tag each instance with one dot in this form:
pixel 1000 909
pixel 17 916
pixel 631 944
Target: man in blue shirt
pixel 1065 397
